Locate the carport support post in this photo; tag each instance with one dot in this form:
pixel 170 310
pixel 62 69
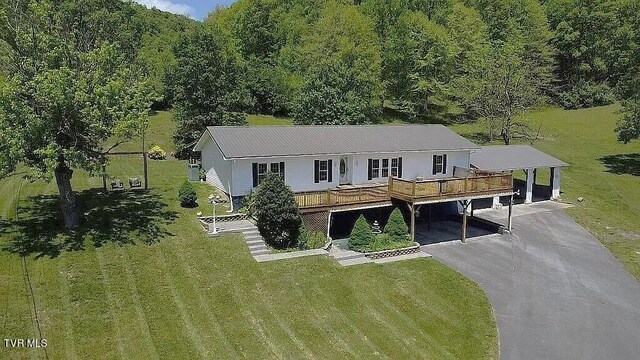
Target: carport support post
pixel 529 191
pixel 465 205
pixel 555 182
pixel 510 213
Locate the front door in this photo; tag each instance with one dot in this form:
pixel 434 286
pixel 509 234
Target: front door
pixel 345 172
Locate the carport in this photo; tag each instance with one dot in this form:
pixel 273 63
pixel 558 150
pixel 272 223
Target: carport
pixel 519 157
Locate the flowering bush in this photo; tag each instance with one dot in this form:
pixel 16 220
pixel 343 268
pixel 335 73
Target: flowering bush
pixel 156 153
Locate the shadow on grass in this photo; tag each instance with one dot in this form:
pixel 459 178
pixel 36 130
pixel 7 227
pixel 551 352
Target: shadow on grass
pixel 116 217
pixel 478 137
pixel 622 163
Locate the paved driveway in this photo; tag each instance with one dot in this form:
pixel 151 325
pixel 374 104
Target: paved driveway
pixel 556 291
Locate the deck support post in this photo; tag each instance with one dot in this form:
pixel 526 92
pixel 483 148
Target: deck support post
pixel 510 213
pixel 328 223
pixel 465 206
pixel 555 183
pixel 413 222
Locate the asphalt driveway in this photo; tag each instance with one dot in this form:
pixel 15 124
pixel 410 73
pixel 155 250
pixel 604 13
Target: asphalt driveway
pixel 556 291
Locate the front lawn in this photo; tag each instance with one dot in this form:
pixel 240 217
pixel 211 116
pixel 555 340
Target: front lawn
pixel 141 280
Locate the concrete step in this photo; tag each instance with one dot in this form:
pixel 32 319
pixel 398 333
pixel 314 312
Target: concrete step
pixel 252 240
pixel 255 241
pixel 264 251
pixel 253 247
pixel 253 230
pixel 346 255
pixel 356 261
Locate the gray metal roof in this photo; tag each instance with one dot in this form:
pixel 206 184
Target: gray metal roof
pixel 512 157
pixel 267 141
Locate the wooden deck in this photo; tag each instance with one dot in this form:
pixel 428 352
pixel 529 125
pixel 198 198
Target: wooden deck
pixel 410 191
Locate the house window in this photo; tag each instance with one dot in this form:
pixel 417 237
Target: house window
pixel 375 168
pixel 394 167
pixel 324 170
pixel 385 168
pixel 439 164
pixel 261 170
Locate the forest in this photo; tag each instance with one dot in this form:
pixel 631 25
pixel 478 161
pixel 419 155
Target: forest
pixel 343 62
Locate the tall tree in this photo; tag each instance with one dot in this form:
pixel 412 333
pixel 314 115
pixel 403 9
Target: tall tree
pixel 501 91
pixel 207 85
pixel 343 43
pixel 65 91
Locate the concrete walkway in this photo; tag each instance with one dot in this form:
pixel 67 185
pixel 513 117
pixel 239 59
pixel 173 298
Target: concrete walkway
pixel 556 291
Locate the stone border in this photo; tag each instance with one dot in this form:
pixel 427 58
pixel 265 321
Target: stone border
pixel 394 252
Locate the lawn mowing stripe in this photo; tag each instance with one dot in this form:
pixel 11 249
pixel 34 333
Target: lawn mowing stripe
pixel 346 323
pixel 191 271
pixel 187 324
pixel 69 346
pixel 133 289
pixel 164 325
pixel 111 302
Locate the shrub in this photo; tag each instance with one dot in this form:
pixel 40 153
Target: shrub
pixel 187 195
pixel 156 153
pixel 587 94
pixel 303 236
pixel 361 235
pixel 396 228
pixel 276 212
pixel 246 204
pixel 316 240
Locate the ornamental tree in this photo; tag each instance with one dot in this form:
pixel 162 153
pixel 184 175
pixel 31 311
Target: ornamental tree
pixel 65 90
pixel 277 212
pixel 396 228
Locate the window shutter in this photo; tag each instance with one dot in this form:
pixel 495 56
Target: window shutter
pixel 433 170
pixel 316 171
pixel 444 163
pixel 255 174
pixel 370 171
pixel 330 170
pixel 282 170
pixel 399 167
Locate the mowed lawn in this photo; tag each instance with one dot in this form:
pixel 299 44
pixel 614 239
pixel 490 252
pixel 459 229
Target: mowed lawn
pixel 603 171
pixel 140 280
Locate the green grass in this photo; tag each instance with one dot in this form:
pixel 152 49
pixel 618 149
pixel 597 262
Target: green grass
pixel 603 171
pixel 264 120
pixel 141 280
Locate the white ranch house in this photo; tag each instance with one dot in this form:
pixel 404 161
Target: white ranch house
pixel 346 168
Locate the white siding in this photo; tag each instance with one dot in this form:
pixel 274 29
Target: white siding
pixel 413 165
pixel 298 174
pixel 218 169
pixel 299 171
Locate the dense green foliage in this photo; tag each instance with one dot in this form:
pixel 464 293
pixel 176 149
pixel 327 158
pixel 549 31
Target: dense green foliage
pixel 187 195
pixel 310 240
pixel 396 228
pixel 361 235
pixel 276 213
pixel 66 89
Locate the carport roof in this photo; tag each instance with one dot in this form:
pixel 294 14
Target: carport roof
pixel 512 157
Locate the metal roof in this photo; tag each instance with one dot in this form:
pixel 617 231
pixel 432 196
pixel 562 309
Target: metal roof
pixel 512 157
pixel 268 141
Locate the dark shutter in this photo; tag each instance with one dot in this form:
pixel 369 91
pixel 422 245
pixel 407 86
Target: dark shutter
pixel 282 170
pixel 399 167
pixel 330 170
pixel 370 171
pixel 316 171
pixel 255 174
pixel 433 170
pixel 444 163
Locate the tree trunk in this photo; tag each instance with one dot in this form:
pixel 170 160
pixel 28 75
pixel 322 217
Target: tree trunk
pixel 67 196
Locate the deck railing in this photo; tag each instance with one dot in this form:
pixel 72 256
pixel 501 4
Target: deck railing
pixel 406 190
pixel 346 196
pixel 443 188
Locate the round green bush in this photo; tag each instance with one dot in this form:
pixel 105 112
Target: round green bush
pixel 396 228
pixel 361 235
pixel 187 195
pixel 276 213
